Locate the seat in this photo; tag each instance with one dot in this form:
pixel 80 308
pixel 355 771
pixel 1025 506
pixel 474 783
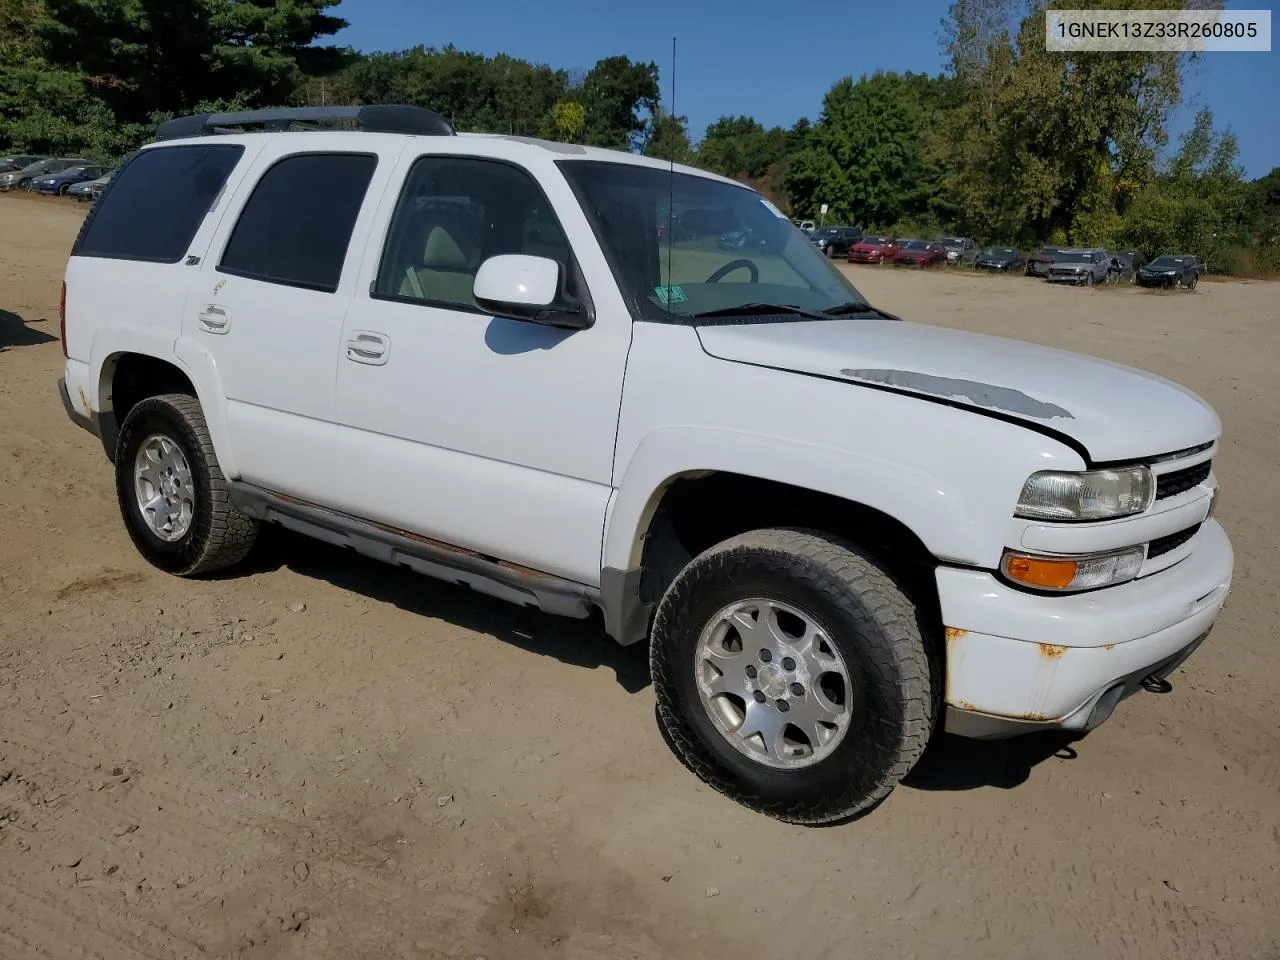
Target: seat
pixel 450 258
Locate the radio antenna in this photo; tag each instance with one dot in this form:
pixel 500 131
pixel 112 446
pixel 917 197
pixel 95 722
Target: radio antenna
pixel 671 183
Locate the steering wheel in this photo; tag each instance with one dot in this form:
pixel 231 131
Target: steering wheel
pixel 733 265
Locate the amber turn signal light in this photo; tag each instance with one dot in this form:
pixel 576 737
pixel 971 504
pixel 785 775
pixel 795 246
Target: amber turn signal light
pixel 1040 572
pixel 1073 573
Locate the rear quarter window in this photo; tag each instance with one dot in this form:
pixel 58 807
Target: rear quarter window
pixel 156 203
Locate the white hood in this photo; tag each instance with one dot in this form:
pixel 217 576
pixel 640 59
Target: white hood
pixel 1114 411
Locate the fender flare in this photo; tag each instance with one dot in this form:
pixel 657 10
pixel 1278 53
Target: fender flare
pixel 936 507
pixel 192 360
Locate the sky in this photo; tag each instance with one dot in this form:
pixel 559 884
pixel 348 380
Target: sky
pixel 755 57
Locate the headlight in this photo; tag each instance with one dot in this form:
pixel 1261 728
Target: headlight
pixel 1068 574
pixel 1090 495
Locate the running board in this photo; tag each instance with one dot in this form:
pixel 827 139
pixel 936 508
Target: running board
pixel 434 558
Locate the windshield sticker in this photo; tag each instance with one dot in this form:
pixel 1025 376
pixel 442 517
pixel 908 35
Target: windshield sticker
pixel 774 210
pixel 669 295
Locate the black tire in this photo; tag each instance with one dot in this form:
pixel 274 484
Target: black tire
pixel 878 631
pixel 62 190
pixel 1194 281
pixel 219 536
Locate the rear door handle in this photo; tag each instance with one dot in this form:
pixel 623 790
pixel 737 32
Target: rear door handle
pixel 215 319
pixel 367 346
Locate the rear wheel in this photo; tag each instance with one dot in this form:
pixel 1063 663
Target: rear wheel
pixel 175 501
pixel 792 675
pixel 1194 281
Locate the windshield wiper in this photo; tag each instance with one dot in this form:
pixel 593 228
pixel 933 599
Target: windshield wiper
pixel 852 307
pixel 756 309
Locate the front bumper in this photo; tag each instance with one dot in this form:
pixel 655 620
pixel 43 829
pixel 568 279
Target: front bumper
pixel 1019 662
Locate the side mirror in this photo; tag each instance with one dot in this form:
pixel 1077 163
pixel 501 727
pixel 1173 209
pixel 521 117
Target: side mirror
pixel 520 287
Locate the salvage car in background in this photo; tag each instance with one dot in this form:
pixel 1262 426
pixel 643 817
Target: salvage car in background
pixel 873 250
pixel 960 250
pixel 835 241
pixel 920 253
pixel 91 189
pixel 18 161
pixel 1081 267
pixel 59 183
pixel 1172 271
pixel 1038 263
pixel 1000 260
pixel 21 179
pixel 1124 266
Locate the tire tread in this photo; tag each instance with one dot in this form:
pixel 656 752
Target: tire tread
pixel 841 571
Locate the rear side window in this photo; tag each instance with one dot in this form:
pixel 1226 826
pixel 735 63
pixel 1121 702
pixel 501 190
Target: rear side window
pixel 296 226
pixel 157 202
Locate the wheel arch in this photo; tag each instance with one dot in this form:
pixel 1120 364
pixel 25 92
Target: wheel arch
pixel 133 371
pixel 661 515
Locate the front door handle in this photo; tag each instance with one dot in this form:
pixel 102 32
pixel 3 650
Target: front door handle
pixel 215 319
pixel 367 346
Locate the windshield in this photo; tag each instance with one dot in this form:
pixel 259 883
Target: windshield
pixel 873 241
pixel 951 242
pixel 683 271
pixel 1166 263
pixel 826 232
pixel 1075 258
pixel 1001 252
pixel 916 245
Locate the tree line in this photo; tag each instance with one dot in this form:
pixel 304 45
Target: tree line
pixel 1009 143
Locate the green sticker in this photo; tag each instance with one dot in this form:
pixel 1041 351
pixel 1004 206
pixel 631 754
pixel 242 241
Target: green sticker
pixel 672 294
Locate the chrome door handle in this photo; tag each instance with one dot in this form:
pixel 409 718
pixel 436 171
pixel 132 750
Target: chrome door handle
pixel 366 346
pixel 215 319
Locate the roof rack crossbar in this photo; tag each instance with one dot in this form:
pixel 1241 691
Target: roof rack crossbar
pixel 373 118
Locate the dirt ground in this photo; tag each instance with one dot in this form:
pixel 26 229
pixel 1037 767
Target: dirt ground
pixel 322 757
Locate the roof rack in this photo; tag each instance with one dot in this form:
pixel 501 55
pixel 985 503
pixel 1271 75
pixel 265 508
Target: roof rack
pixel 373 118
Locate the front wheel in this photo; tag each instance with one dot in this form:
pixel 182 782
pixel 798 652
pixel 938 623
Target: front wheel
pixel 174 498
pixel 792 675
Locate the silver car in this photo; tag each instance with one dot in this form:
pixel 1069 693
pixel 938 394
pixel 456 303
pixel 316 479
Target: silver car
pixel 1081 267
pixel 960 250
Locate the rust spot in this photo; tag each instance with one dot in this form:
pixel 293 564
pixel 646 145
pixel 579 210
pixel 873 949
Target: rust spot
pixel 526 571
pixel 953 634
pixel 427 541
pixel 1108 646
pixel 964 705
pixel 1052 651
pixel 288 499
pixel 84 399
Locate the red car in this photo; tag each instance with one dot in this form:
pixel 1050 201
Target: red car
pixel 920 253
pixel 873 250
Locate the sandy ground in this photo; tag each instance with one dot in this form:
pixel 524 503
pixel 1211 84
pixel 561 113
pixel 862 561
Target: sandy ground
pixel 322 757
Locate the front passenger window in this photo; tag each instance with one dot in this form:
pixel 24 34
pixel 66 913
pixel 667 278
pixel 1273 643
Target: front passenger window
pixel 453 214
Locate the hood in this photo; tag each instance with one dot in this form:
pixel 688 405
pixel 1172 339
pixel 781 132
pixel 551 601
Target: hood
pixel 1115 412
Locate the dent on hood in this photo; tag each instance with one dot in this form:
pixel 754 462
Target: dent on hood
pixel 980 394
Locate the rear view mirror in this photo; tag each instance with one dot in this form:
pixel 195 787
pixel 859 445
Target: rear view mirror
pixel 521 287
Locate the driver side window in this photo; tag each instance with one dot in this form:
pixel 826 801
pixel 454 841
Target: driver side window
pixel 453 214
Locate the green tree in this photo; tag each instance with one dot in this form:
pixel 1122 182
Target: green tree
pixel 166 56
pixel 872 133
pixel 1036 135
pixel 667 137
pixel 616 95
pixel 565 121
pixel 742 147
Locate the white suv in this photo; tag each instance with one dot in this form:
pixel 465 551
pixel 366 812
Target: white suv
pixel 527 367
